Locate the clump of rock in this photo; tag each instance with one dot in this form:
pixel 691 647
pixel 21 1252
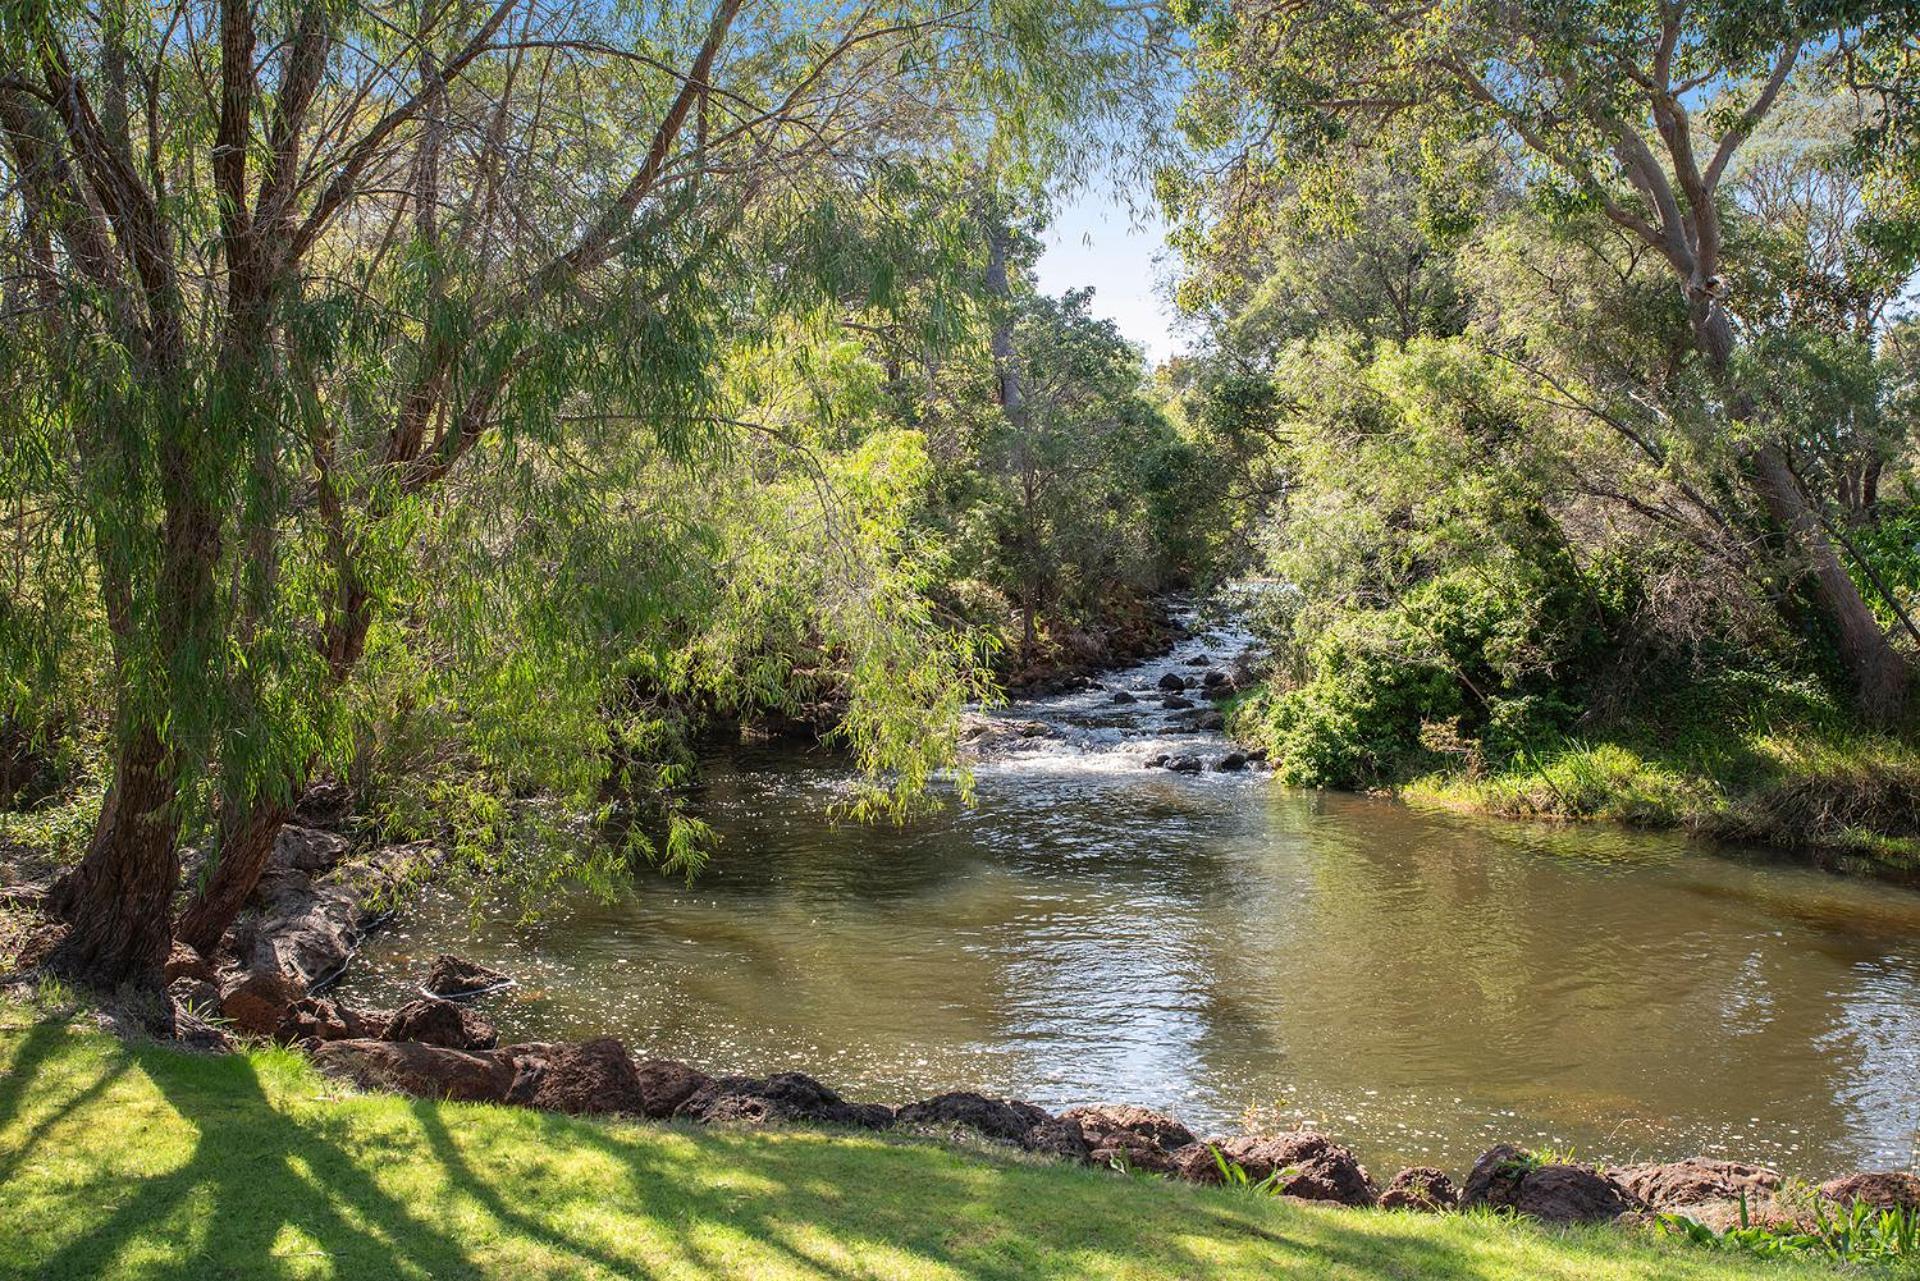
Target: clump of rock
pixel 454 978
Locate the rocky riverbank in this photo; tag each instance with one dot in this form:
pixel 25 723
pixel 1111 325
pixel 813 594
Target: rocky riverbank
pixel 319 897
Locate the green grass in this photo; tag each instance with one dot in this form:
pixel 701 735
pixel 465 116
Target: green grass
pixel 1853 795
pixel 120 1161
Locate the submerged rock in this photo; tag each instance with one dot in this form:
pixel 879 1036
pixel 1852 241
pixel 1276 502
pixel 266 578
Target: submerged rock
pixel 1200 660
pixel 1121 696
pixel 455 978
pixel 1176 703
pixel 1310 1166
pixel 1184 764
pixel 1420 1187
pixel 1506 1177
pixel 432 1021
pixel 784 1096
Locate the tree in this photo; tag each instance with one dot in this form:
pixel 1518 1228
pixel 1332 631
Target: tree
pixel 291 267
pixel 1599 106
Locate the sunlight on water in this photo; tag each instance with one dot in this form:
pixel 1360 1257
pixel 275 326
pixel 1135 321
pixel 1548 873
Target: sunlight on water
pixel 1091 929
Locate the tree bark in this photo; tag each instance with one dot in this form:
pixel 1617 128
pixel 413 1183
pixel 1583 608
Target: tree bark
pixel 118 900
pixel 246 843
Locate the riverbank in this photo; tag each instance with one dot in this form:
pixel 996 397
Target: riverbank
pixel 137 1160
pixel 1799 778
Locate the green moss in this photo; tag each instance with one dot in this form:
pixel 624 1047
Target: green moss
pixel 144 1162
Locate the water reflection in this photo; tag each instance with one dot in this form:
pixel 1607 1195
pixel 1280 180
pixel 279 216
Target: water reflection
pixel 1420 984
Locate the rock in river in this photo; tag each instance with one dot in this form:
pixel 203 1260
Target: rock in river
pixel 454 978
pixel 432 1021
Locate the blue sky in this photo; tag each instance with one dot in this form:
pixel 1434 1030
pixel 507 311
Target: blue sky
pixel 1096 241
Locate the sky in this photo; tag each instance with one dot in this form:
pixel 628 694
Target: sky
pixel 1096 241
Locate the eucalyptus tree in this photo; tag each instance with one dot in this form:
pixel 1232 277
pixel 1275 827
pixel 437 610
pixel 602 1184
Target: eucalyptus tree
pixel 280 269
pixel 1634 113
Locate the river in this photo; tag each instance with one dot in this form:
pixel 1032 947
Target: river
pixel 1419 985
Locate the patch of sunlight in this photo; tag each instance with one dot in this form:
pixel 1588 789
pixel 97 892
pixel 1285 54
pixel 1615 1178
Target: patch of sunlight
pixel 834 1256
pixel 302 1253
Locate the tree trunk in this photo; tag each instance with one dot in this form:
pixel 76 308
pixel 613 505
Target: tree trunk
pixel 118 900
pixel 1877 671
pixel 246 843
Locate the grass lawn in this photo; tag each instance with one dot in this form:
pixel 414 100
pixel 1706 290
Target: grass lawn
pixel 142 1161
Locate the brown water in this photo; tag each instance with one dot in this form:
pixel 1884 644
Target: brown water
pixel 1419 985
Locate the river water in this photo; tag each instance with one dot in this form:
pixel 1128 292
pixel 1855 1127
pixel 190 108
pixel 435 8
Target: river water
pixel 1419 985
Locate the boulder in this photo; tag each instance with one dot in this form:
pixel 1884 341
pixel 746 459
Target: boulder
pixel 1210 721
pixel 432 1021
pixel 313 1019
pixel 1420 1187
pixel 308 850
pixel 1176 703
pixel 185 963
pixel 665 1084
pixel 1231 763
pixel 423 1071
pixel 305 931
pixel 1506 1177
pixel 1156 761
pixel 200 996
pixel 196 1033
pixel 455 978
pixel 783 1097
pixel 257 1000
pixel 326 804
pixel 1213 680
pixel 1881 1189
pixel 1200 660
pixel 1008 1121
pixel 1121 696
pixel 529 1061
pixel 1173 682
pixel 595 1076
pixel 1309 1166
pixel 1056 1137
pixel 1133 1138
pixel 1184 764
pixel 1672 1185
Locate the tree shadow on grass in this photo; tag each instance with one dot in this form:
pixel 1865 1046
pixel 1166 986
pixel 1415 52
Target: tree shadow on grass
pixel 254 1172
pixel 39 1046
pixel 484 1199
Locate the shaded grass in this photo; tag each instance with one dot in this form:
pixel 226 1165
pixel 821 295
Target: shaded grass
pixel 146 1162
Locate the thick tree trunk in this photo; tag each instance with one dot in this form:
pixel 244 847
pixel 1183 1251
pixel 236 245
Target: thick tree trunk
pixel 246 844
pixel 118 900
